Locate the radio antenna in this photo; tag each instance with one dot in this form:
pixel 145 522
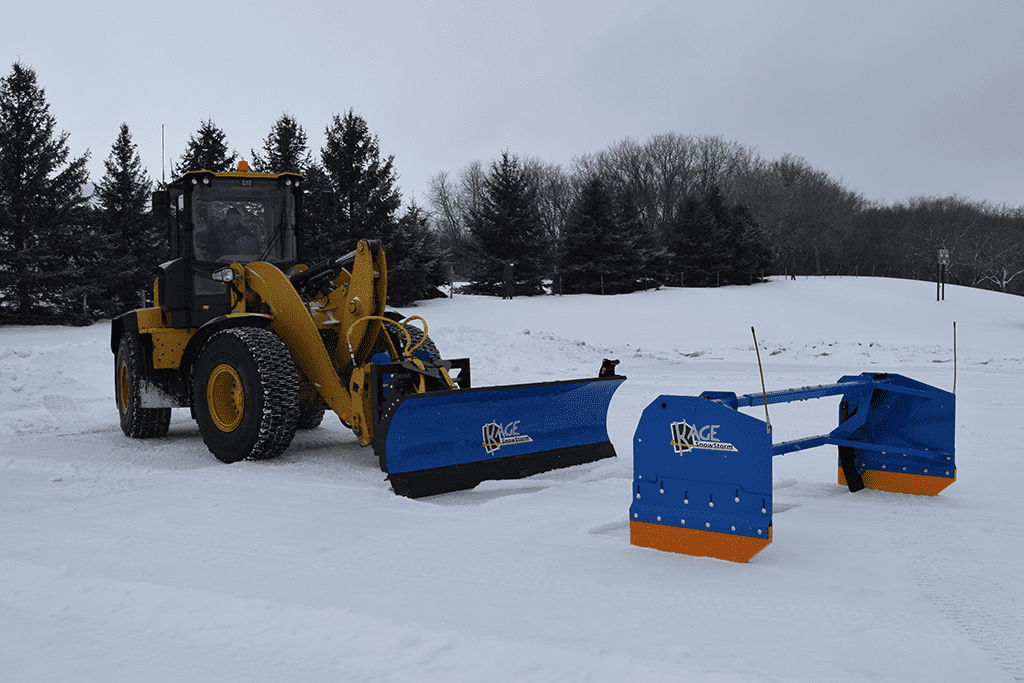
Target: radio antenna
pixel 764 392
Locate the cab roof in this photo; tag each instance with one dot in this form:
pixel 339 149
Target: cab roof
pixel 242 172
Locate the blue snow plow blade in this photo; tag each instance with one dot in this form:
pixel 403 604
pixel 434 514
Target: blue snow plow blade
pixel 703 470
pixel 452 440
pixel 702 480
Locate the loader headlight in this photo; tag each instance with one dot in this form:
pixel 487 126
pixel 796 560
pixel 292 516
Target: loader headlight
pixel 224 275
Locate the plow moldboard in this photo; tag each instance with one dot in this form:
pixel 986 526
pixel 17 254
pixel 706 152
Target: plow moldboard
pixel 453 440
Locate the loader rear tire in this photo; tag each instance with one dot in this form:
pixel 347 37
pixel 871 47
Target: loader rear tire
pixel 310 416
pixel 130 389
pixel 246 394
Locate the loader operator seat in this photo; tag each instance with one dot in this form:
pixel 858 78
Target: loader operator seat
pixel 229 239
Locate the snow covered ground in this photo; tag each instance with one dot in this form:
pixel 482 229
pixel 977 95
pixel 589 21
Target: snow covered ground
pixel 151 560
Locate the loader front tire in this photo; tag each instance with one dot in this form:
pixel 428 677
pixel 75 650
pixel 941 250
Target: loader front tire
pixel 130 389
pixel 415 334
pixel 246 394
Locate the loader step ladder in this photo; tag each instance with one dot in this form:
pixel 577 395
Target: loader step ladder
pixel 703 473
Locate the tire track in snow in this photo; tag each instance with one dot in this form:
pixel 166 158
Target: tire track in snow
pixel 117 464
pixel 982 609
pixel 962 588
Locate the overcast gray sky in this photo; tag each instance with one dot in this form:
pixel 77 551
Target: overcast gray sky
pixel 897 99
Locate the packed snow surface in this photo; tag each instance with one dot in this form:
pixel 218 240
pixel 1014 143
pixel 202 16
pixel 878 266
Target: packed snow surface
pixel 150 560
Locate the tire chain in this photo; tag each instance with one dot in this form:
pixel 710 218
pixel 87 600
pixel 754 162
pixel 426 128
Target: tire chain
pixel 280 380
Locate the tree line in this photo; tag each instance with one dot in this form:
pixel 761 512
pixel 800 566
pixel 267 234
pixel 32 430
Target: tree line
pixel 675 210
pixel 66 256
pixel 705 211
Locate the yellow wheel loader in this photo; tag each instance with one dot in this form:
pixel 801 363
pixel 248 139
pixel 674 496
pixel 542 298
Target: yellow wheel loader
pixel 257 345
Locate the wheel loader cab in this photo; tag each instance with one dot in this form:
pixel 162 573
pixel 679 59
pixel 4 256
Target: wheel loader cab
pixel 214 220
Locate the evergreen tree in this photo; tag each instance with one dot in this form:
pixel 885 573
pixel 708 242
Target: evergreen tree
pixel 744 251
pixel 593 253
pixel 713 243
pixel 352 196
pixel 284 148
pixel 207 150
pixel 648 258
pixel 318 209
pixel 42 210
pixel 719 245
pixel 752 253
pixel 606 246
pixel 415 262
pixel 698 244
pixel 128 233
pixel 507 228
pixel 365 197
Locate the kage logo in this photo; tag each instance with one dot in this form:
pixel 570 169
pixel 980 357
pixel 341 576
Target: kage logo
pixel 496 435
pixel 686 436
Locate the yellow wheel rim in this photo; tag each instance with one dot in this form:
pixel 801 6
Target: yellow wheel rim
pixel 123 386
pixel 225 397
